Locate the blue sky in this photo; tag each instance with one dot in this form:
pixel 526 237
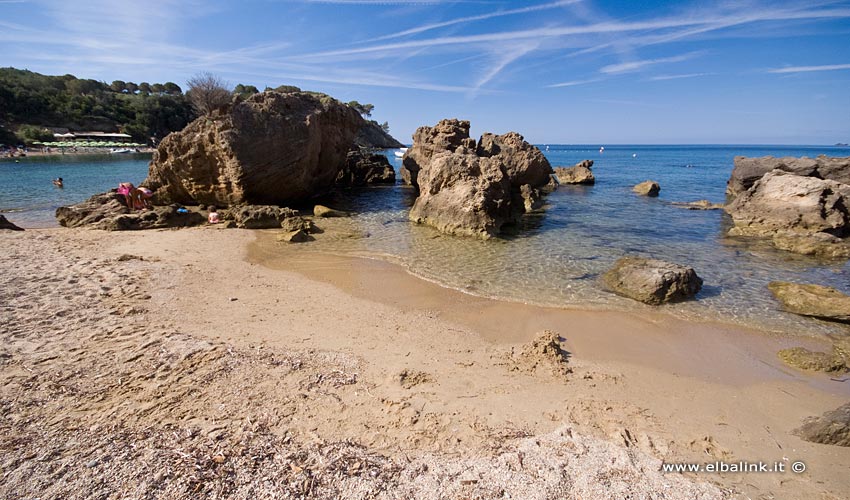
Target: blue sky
pixel 557 71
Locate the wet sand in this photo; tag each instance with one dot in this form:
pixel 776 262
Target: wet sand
pixel 203 361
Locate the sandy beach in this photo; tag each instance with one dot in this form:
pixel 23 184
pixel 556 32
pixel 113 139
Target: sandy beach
pixel 211 363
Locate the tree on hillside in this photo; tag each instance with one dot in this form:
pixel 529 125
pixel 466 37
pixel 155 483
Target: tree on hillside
pixel 172 88
pixel 385 127
pixel 84 87
pixel 157 88
pixel 145 88
pixel 131 88
pixel 118 86
pixel 245 90
pixel 363 109
pixel 207 93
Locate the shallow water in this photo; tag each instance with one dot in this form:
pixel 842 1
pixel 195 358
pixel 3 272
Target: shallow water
pixel 554 258
pixel 551 258
pixel 28 197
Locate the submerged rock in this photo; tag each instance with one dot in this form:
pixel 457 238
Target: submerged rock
pixel 107 211
pixel 469 189
pixel 647 188
pixel 698 205
pixel 5 224
pixel 578 174
pixel 258 216
pixel 362 168
pixel 812 300
pixel 833 427
pixel 652 281
pixel 802 214
pixel 748 170
pixel 272 148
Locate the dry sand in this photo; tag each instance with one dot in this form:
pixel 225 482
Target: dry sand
pixel 200 363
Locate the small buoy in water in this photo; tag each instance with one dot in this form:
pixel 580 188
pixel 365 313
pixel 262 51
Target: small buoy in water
pixel 634 155
pixel 602 150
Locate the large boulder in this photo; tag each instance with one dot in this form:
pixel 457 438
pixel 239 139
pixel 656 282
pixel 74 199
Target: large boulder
pixel 833 427
pixel 272 148
pixel 816 361
pixel 812 300
pixel 748 170
pixel 652 281
pixel 5 224
pixel 578 174
pixel 780 201
pixel 108 211
pixel 463 194
pixel 363 167
pixel 473 189
pixel 447 135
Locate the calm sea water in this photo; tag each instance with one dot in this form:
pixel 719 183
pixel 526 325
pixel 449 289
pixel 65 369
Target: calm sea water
pixel 29 199
pixel 552 258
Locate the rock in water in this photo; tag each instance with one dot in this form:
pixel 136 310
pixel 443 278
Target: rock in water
pixel 271 148
pixel 790 207
pixel 833 427
pixel 698 205
pixel 5 224
pixel 647 188
pixel 297 236
pixel 323 211
pixel 812 300
pixel 447 135
pixel 473 189
pixel 652 281
pixel 363 168
pixel 748 170
pixel 578 174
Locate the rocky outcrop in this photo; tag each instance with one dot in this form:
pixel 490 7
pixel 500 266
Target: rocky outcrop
pixel 748 170
pixel 108 211
pixel 363 167
pixel 271 148
pixel 5 224
pixel 804 214
pixel 812 300
pixel 445 136
pixel 473 189
pixel 372 136
pixel 323 211
pixel 578 174
pixel 258 216
pixel 652 281
pixel 647 188
pixel 833 427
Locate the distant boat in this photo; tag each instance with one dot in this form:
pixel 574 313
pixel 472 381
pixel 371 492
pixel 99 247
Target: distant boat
pixel 400 152
pixel 121 151
pixel 634 155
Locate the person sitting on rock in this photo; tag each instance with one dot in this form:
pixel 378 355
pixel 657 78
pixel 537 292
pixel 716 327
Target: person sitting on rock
pixel 213 217
pixel 141 198
pixel 126 188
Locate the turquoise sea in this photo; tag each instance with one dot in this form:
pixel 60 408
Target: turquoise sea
pixel 553 257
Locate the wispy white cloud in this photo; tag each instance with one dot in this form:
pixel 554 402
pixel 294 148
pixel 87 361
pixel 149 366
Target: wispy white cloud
pixel 677 77
pixel 574 83
pixel 630 66
pixel 505 57
pixel 480 17
pixel 804 69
